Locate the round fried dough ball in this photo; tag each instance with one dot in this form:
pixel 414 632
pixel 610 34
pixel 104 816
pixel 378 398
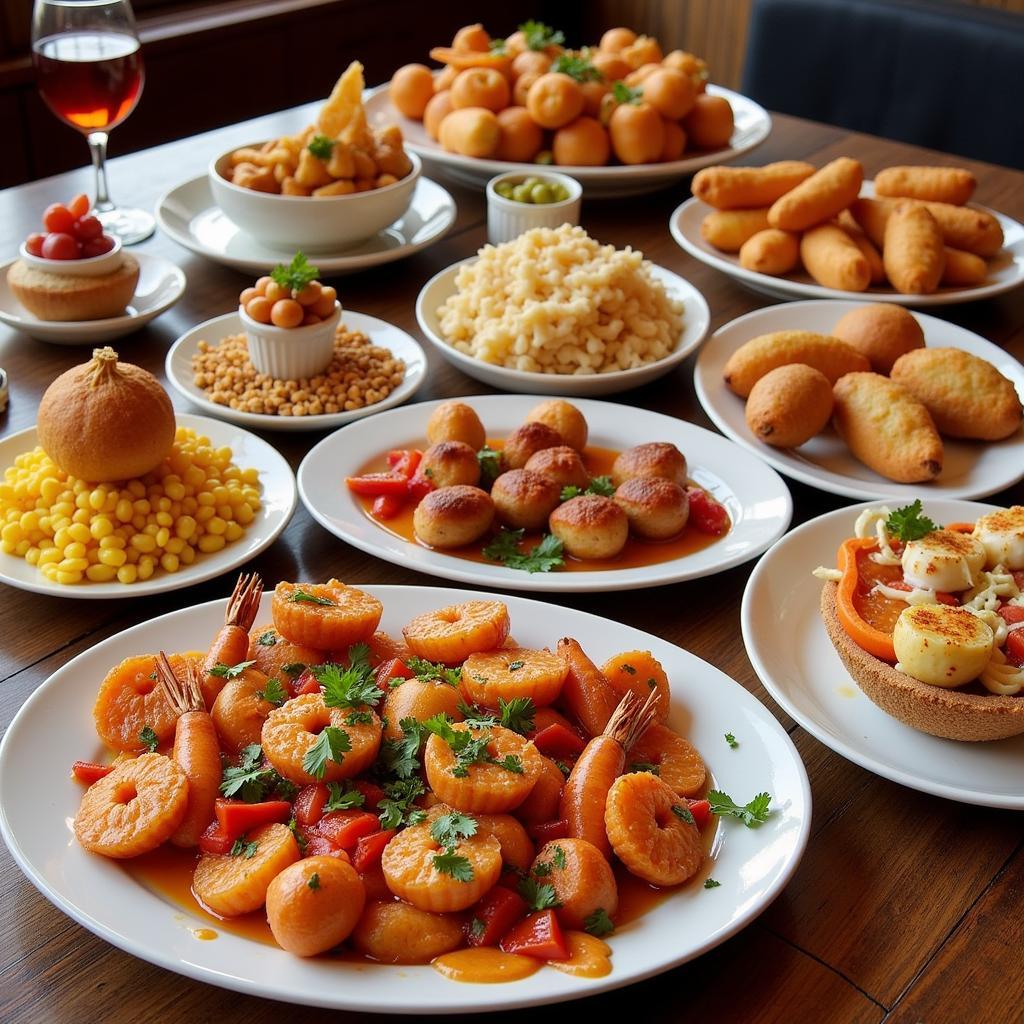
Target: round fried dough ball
pixel 655 507
pixel 789 405
pixel 456 421
pixel 562 464
pixel 449 463
pixel 564 417
pixel 527 440
pixel 524 499
pixel 453 516
pixel 882 331
pixel 656 458
pixel 590 526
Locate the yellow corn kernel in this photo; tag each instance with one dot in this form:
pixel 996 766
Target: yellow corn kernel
pixel 205 499
pixel 101 573
pixel 188 555
pixel 124 511
pixel 143 542
pixel 138 522
pixel 194 476
pixel 76 550
pixel 82 515
pixel 216 525
pixel 151 530
pixel 51 556
pixel 81 499
pixel 163 535
pixel 147 566
pixel 205 513
pixel 113 541
pixel 169 562
pixel 233 532
pixel 93 555
pixel 127 574
pixel 65 577
pixel 49 570
pixel 136 488
pixel 164 518
pixel 21 549
pixel 32 556
pixel 49 489
pixel 12 533
pixel 98 498
pixel 251 475
pixel 29 521
pixel 174 489
pixel 73 565
pixel 244 514
pixel 113 557
pixel 224 511
pixel 79 532
pixel 211 542
pixel 101 528
pixel 185 527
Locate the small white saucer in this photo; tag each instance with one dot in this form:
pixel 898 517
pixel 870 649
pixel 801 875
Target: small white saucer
pixel 160 286
pixel 190 216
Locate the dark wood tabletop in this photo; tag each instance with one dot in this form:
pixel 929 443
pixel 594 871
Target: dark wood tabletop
pixel 905 908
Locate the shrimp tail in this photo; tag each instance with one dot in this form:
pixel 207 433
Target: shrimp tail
pixel 245 601
pixel 631 719
pixel 586 691
pixel 183 695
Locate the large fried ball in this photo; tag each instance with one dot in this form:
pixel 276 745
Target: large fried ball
pixel 564 417
pixel 590 526
pixel 562 464
pixel 657 458
pixel 655 507
pixel 528 439
pixel 524 499
pixel 449 463
pixel 453 516
pixel 882 331
pixel 456 421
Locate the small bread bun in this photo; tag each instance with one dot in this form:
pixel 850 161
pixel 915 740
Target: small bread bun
pixel 562 464
pixel 449 463
pixel 453 516
pixel 564 417
pixel 657 458
pixel 523 499
pixel 527 440
pixel 882 331
pixel 456 421
pixel 590 526
pixel 66 298
pixel 655 507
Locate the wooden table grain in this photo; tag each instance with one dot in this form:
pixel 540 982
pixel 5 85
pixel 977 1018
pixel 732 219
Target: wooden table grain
pixel 906 907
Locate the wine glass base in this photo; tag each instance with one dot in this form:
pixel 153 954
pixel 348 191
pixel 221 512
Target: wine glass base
pixel 129 225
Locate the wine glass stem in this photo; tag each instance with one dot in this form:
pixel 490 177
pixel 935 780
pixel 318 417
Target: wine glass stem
pixel 98 149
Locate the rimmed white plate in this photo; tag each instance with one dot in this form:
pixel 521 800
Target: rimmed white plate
pixel 751 865
pixel 696 321
pixel 971 469
pixel 190 216
pixel 758 501
pixel 160 286
pixel 1005 270
pixel 794 658
pixel 277 497
pixel 752 126
pixel 178 366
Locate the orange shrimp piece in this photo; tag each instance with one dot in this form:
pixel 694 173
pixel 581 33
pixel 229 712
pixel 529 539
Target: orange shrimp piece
pixel 586 693
pixel 231 645
pixel 516 845
pixel 272 654
pixel 549 716
pixel 582 878
pixel 513 672
pixel 486 787
pixel 640 672
pixel 420 699
pixel 395 933
pixel 648 832
pixel 453 633
pixel 134 809
pixel 410 871
pixel 233 884
pixel 384 647
pixel 545 798
pixel 240 709
pixel 292 729
pixel 678 761
pixel 129 700
pixel 328 616
pixel 600 764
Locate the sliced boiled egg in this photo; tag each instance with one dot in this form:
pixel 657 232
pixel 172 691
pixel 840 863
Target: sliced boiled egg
pixel 943 560
pixel 1002 534
pixel 942 645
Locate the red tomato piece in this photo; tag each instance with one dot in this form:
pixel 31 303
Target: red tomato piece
pixel 61 247
pixel 236 817
pixel 369 849
pixel 496 913
pixel 79 206
pixel 215 840
pixel 419 487
pixel 88 227
pixel 372 484
pixel 393 669
pixel 305 683
pixel 58 218
pixel 1015 647
pixel 557 741
pixel 706 514
pixel 1012 613
pixel 539 935
pixel 387 506
pixel 309 804
pixel 97 246
pixel 346 828
pixel 34 244
pixel 317 846
pixel 701 811
pixel 86 771
pixel 371 792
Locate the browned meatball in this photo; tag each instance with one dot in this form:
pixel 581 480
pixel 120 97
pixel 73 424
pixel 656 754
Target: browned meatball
pixel 562 464
pixel 453 516
pixel 564 417
pixel 456 421
pixel 528 439
pixel 657 458
pixel 524 499
pixel 590 526
pixel 449 463
pixel 655 507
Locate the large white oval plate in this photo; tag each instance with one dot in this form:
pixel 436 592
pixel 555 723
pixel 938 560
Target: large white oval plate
pixel 1005 272
pixel 696 321
pixel 758 500
pixel 971 469
pixel 791 652
pixel 278 497
pixel 178 367
pixel 752 865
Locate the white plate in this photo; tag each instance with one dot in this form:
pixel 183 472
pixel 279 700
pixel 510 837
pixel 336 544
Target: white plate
pixel 178 366
pixel 696 320
pixel 190 216
pixel 160 286
pixel 758 501
pixel 971 469
pixel 277 495
pixel 752 127
pixel 1005 271
pixel 791 652
pixel 752 865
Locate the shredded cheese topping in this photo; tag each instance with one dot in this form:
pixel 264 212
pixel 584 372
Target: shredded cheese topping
pixel 827 575
pixel 991 587
pixel 915 596
pixel 871 522
pixel 1000 677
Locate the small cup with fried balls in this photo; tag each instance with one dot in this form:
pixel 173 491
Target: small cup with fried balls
pixel 448 463
pixel 524 500
pixel 882 331
pixel 655 507
pixel 564 417
pixel 656 458
pixel 789 405
pixel 562 464
pixel 527 440
pixel 456 421
pixel 590 526
pixel 453 516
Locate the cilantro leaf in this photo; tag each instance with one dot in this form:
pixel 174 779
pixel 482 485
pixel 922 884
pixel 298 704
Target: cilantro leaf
pixel 578 68
pixel 543 557
pixel 517 714
pixel 267 639
pixel 321 146
pixel 538 35
pixel 570 491
pixel 313 881
pixel 601 485
pixel 359 658
pixel 359 718
pixel 330 745
pixel 624 94
pixel 273 693
pixel 598 923
pixel 294 668
pixel 476 926
pixel 230 671
pixel 149 739
pixel 908 523
pixel 751 814
pixel 240 848
pixel 397 808
pixel 401 757
pixel 644 766
pixel 430 670
pixel 250 780
pixel 341 799
pixel 455 865
pixel 683 813
pixel 731 740
pixel 474 716
pixel 558 857
pixel 490 464
pixel 347 688
pixel 300 839
pixel 510 762
pixel 563 768
pixel 538 897
pixel 710 883
pixel 296 276
pixel 448 829
pixel 300 596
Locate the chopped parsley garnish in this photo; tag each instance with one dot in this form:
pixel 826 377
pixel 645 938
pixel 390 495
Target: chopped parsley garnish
pixel 510 762
pixel 449 829
pixel 294 668
pixel 578 68
pixel 683 813
pixel 515 666
pixel 751 814
pixel 313 881
pixel 240 848
pixel 558 857
pixel 250 780
pixel 543 557
pixel 230 671
pixel 300 839
pixel 645 766
pixel 541 869
pixel 267 639
pixel 908 523
pixel 397 808
pixel 476 926
pixel 455 865
pixel 321 146
pixel 330 745
pixel 431 670
pixel 538 897
pixel 710 883
pixel 359 718
pixel 629 669
pixel 273 693
pixel 149 739
pixel 469 748
pixel 497 47
pixel 601 485
pixel 622 93
pixel 300 596
pixel 516 714
pixel 401 757
pixel 285 789
pixel 598 923
pixel 490 464
pixel 563 768
pixel 731 740
pixel 296 276
pixel 341 799
pixel 352 687
pixel 538 35
pixel 478 718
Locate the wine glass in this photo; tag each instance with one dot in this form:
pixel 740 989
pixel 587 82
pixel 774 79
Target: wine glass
pixel 89 69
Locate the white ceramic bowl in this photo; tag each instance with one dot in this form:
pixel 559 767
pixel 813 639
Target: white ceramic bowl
pixel 311 223
pixel 291 353
pixel 508 218
pixel 94 266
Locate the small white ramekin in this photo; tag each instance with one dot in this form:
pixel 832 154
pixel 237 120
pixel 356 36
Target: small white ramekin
pixel 508 219
pixel 291 353
pixel 94 266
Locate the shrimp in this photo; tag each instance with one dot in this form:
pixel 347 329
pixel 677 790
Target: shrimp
pixel 516 845
pixel 545 798
pixel 328 616
pixel 642 673
pixel 586 693
pixel 484 785
pixel 582 879
pixel 230 884
pixel 196 749
pixel 651 832
pixel 420 699
pixel 678 762
pixel 291 731
pixel 453 633
pixel 134 809
pixel 395 933
pixel 410 868
pixel 602 761
pixel 512 672
pixel 241 709
pixel 231 645
pixel 279 658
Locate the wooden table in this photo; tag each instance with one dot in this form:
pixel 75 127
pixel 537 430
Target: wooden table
pixel 905 908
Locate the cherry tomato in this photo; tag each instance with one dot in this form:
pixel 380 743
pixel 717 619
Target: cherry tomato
pixel 60 246
pixel 97 246
pixel 34 244
pixel 88 227
pixel 1015 647
pixel 58 218
pixel 79 206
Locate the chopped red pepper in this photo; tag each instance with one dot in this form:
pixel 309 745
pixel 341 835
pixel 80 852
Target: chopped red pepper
pixel 317 846
pixel 558 741
pixel 236 817
pixel 1011 613
pixel 496 913
pixel 387 506
pixel 701 811
pixel 370 847
pixel 539 935
pixel 407 465
pixel 86 771
pixel 309 804
pixel 215 840
pixel 306 683
pixel 419 487
pixel 371 792
pixel 346 828
pixel 394 668
pixel 547 830
pixel 1015 647
pixel 707 514
pixel 372 484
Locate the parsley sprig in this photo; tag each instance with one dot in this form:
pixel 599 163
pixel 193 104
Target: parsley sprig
pixel 751 814
pixel 273 693
pixel 598 923
pixel 302 596
pixel 401 757
pixel 576 67
pixel 149 739
pixel 321 147
pixel 240 848
pixel 538 35
pixel 223 671
pixel 249 780
pixel 731 740
pixel 431 670
pixel 342 798
pixel 352 687
pixel 296 276
pixel 331 745
pixel 543 557
pixel 538 896
pixel 909 523
pixel 490 464
pixel 622 93
pixel 469 746
pixel 267 639
pixel 448 831
pixel 398 808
